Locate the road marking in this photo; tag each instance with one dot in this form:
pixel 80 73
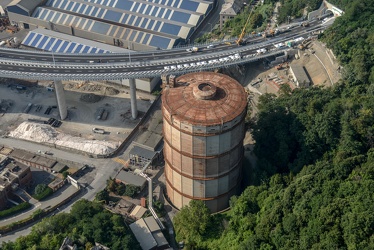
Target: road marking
pixel 121 161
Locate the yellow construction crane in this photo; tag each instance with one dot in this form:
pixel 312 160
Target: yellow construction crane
pixel 240 40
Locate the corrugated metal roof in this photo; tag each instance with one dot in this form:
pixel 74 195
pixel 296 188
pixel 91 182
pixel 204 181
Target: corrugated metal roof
pixel 130 178
pixel 142 152
pixel 205 98
pixel 143 235
pixel 157 23
pixel 58 42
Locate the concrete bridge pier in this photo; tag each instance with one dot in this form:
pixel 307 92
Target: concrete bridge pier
pixel 60 96
pixel 134 109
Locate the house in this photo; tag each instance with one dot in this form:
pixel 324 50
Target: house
pixel 148 233
pixel 229 10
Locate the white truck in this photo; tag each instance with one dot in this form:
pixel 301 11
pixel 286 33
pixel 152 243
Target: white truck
pixel 193 49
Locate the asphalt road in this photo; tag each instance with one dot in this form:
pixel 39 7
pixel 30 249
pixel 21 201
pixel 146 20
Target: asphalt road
pixel 105 168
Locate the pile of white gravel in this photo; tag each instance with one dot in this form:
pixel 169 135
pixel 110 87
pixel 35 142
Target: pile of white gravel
pixel 44 133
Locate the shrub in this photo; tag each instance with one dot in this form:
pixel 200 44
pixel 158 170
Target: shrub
pixel 46 192
pixel 14 210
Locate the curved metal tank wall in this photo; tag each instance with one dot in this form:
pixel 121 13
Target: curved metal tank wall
pixel 203 117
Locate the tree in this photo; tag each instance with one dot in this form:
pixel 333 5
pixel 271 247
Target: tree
pixel 191 223
pixel 131 190
pixel 103 195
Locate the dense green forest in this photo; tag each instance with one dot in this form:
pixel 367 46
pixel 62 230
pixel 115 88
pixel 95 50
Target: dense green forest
pixel 315 175
pixel 87 223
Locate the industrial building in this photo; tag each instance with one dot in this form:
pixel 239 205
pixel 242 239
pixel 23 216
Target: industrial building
pixel 299 76
pixel 149 235
pixel 140 25
pixel 12 175
pixel 203 117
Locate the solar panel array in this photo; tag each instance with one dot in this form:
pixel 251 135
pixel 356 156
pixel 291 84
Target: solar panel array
pixel 157 23
pixel 45 42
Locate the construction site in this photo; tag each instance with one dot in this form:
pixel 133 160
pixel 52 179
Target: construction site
pixel 99 116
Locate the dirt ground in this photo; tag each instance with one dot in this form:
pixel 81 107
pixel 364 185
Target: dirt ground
pixel 83 111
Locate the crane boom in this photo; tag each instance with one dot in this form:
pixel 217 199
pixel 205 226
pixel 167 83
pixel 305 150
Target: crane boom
pixel 242 34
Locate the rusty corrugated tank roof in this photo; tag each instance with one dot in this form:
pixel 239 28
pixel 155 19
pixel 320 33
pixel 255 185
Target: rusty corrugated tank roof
pixel 205 98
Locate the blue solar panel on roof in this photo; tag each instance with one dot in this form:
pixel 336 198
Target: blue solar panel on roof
pixel 49 16
pixel 146 38
pixel 168 12
pixel 94 12
pixel 157 26
pixel 124 4
pixel 81 10
pixel 160 42
pixel 43 41
pixel 180 17
pixel 136 5
pixel 36 40
pixel 126 34
pixel 86 49
pixel 111 33
pixel 60 3
pixel 131 38
pixel 49 44
pixel 124 19
pixel 142 9
pixel 139 38
pixel 145 21
pixel 136 24
pixel 131 20
pixel 155 11
pixel 101 13
pixel 93 50
pixel 55 17
pixel 70 48
pixel 63 47
pixel 100 27
pixel 189 5
pixel 43 13
pixel 146 12
pixel 150 25
pixel 78 49
pixel 68 20
pixel 89 22
pixel 57 44
pixel 171 29
pixel 86 11
pixel 76 7
pixel 28 39
pixel 160 13
pixel 113 16
pixel 70 5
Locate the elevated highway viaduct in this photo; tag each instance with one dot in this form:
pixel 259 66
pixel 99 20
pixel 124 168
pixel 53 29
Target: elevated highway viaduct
pixel 27 64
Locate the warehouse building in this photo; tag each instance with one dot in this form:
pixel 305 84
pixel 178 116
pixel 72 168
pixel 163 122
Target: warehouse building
pixel 299 76
pixel 139 25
